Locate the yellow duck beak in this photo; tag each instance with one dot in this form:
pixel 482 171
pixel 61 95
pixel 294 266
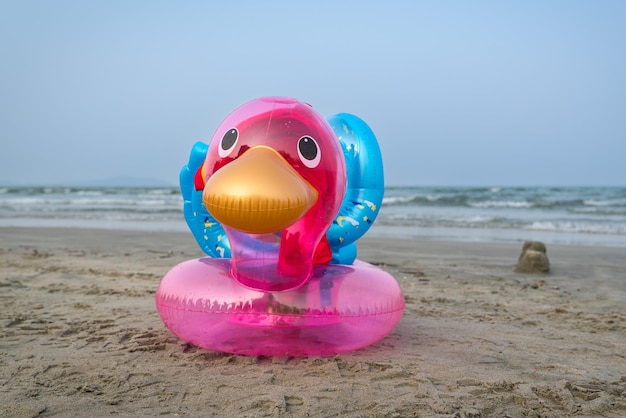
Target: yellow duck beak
pixel 258 193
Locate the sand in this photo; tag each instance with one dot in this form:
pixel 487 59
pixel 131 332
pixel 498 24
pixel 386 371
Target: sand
pixel 80 336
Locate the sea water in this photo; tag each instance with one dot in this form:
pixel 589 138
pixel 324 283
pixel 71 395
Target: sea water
pixel 561 215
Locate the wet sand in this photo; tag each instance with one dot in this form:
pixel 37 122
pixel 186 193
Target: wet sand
pixel 80 336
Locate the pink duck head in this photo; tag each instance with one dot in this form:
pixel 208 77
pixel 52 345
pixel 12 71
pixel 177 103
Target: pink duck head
pixel 274 177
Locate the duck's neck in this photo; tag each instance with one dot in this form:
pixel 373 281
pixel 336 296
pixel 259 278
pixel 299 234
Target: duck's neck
pixel 270 262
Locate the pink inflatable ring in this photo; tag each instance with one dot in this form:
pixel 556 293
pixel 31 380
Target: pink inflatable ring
pixel 342 308
pixel 261 200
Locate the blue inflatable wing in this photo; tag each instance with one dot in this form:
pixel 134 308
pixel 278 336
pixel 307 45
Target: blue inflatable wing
pixel 365 186
pixel 206 230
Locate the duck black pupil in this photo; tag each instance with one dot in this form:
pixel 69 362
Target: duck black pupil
pixel 229 139
pixel 308 149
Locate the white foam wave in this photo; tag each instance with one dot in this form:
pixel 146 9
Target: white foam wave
pixel 577 227
pixel 87 192
pixel 595 202
pixel 501 204
pixel 397 199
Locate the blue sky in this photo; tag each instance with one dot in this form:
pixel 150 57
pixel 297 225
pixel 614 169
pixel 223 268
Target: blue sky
pixel 458 92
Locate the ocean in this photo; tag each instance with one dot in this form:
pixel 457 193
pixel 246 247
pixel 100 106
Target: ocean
pixel 594 216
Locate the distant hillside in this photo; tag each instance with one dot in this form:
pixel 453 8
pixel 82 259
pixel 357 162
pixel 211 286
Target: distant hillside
pixel 105 182
pixel 123 182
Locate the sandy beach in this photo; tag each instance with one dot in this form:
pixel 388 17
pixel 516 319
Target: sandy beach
pixel 80 336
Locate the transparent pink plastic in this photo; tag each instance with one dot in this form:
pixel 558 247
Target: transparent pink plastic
pixel 342 308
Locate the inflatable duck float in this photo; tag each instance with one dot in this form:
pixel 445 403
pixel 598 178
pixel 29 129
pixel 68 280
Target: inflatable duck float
pixel 277 200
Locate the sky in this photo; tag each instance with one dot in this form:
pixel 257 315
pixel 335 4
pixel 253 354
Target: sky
pixel 459 93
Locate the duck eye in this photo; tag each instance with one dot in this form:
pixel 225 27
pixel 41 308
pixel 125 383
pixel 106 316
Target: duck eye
pixel 227 144
pixel 309 152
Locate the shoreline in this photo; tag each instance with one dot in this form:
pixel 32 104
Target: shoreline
pixel 378 231
pixel 80 332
